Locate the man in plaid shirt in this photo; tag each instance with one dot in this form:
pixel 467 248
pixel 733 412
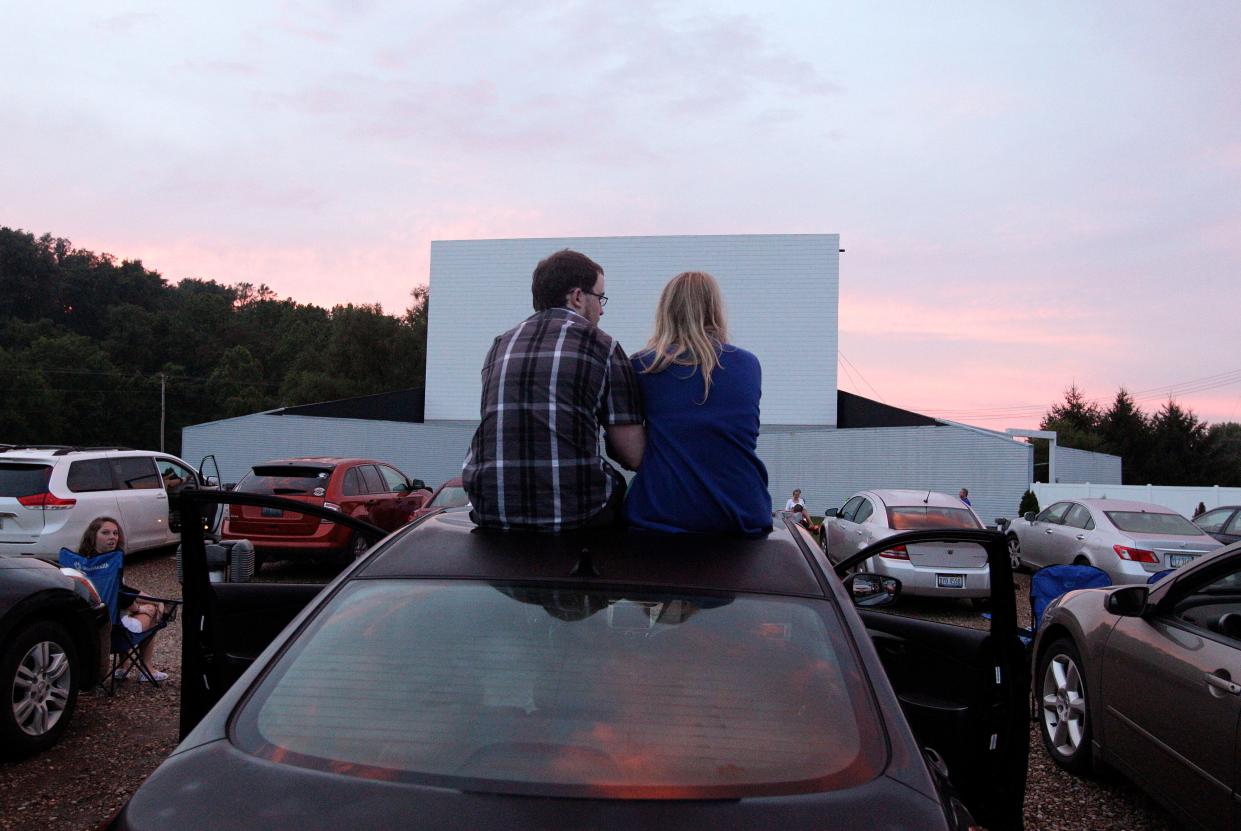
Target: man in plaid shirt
pixel 549 384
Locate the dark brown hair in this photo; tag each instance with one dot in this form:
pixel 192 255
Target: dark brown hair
pixel 87 546
pixel 559 274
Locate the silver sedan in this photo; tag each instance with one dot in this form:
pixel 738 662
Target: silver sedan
pixel 934 569
pixel 1129 540
pixel 1145 680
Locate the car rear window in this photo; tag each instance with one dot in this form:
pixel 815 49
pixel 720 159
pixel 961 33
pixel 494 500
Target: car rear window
pixel 450 496
pixel 927 518
pixel 570 692
pixel 23 479
pixel 284 480
pixel 1146 522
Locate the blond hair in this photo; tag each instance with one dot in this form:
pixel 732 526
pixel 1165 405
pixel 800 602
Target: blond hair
pixel 690 329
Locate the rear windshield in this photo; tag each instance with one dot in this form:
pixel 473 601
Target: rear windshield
pixel 570 692
pixel 1144 522
pixel 286 481
pixel 929 518
pixel 452 496
pixel 23 479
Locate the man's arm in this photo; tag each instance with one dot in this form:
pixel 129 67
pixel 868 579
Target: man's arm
pixel 626 443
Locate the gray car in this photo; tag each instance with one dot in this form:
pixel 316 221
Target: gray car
pixel 1131 541
pixel 1224 524
pixel 1144 679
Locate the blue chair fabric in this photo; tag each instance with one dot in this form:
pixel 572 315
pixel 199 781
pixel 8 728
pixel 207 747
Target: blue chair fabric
pixel 1049 583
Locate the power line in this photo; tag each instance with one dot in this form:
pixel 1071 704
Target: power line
pixel 863 377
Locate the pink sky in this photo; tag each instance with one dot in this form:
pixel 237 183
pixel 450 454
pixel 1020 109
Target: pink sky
pixel 1028 197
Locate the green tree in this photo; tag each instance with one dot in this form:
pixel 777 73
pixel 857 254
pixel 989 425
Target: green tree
pixel 1223 455
pixel 1178 445
pixel 1126 432
pixel 1076 421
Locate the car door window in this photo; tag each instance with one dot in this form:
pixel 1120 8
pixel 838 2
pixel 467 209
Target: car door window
pixel 1054 514
pixel 352 486
pixel 1079 517
pixel 90 476
pixel 1205 604
pixel 850 508
pixel 1213 521
pixel 864 511
pixel 174 474
pixel 1234 527
pixel 372 480
pixel 136 473
pixel 395 481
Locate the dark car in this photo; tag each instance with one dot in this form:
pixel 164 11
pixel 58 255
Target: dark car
pixel 370 490
pixel 53 640
pixel 451 494
pixel 455 678
pixel 1147 680
pixel 1223 523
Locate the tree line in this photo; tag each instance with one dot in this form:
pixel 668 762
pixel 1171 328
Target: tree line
pixel 1171 446
pixel 86 342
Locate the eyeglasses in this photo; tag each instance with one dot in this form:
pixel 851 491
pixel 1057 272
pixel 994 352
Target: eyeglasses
pixel 603 298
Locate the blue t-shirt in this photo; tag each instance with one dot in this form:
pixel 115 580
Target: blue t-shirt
pixel 700 473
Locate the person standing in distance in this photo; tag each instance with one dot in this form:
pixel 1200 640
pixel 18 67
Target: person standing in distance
pixel 549 385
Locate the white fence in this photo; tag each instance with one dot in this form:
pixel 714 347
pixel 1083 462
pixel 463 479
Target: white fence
pixel 1180 498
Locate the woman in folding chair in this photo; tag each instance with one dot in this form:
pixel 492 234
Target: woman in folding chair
pixel 138 612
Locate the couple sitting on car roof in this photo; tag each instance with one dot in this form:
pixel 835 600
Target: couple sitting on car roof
pixel 683 413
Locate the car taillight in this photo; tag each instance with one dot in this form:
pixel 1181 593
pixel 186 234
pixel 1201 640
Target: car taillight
pixel 1137 555
pixel 896 552
pixel 46 501
pixel 331 506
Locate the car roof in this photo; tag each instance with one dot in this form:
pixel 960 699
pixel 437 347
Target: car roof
pixel 449 546
pixel 1122 505
pixel 902 497
pixel 319 460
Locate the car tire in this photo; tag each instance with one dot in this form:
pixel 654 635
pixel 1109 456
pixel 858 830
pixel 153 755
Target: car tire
pixel 40 669
pixel 1064 706
pixel 1014 552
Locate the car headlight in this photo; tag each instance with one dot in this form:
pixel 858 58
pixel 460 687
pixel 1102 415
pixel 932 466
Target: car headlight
pixel 82 585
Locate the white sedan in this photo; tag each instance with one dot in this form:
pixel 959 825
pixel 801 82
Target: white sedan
pixel 1129 540
pixel 934 569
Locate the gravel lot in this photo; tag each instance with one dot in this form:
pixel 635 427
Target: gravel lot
pixel 129 735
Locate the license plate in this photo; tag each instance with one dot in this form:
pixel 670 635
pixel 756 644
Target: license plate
pixel 272 512
pixel 950 581
pixel 1178 560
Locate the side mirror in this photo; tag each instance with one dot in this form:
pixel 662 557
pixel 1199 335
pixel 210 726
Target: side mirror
pixel 417 485
pixel 870 590
pixel 1028 516
pixel 1128 602
pixel 831 513
pixel 210 482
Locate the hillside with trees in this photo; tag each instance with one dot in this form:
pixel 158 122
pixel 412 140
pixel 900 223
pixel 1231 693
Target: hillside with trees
pixel 86 342
pixel 1168 447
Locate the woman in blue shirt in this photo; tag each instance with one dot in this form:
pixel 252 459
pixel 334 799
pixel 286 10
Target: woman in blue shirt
pixel 700 473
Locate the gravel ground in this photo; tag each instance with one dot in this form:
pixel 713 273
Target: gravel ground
pixel 130 734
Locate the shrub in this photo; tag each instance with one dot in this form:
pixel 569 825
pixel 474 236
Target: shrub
pixel 1029 502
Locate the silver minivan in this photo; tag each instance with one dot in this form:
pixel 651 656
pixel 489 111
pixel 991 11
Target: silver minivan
pixel 49 495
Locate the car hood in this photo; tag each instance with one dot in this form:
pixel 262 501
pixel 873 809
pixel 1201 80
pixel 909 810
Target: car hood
pixel 25 561
pixel 218 786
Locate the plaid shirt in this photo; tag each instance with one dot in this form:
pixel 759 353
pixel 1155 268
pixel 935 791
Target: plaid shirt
pixel 548 385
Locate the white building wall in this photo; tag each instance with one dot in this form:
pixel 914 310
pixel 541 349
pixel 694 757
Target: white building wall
pixel 1074 465
pixel 827 464
pixel 781 292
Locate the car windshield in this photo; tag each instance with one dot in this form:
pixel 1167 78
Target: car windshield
pixel 23 479
pixel 284 480
pixel 1146 522
pixel 928 517
pixel 570 692
pixel 450 496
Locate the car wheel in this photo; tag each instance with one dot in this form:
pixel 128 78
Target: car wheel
pixel 1063 705
pixel 40 669
pixel 1014 551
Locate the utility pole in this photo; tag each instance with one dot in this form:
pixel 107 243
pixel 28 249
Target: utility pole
pixel 161 412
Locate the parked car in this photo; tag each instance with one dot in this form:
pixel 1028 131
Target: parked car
pixel 1224 524
pixel 1147 680
pixel 451 494
pixel 54 632
pixel 48 495
pixel 457 680
pixel 364 488
pixel 930 569
pixel 1129 540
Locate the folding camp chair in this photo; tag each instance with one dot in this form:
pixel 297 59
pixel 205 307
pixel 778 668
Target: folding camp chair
pixel 104 571
pixel 1049 583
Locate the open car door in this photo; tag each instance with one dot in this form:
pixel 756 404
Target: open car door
pixel 226 625
pixel 964 691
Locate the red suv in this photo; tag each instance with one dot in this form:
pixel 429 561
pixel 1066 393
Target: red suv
pixel 364 488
